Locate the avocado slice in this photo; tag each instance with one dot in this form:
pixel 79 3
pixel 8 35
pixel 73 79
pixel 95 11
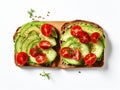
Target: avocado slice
pixel 72 61
pixel 28 40
pixel 29 35
pixel 22 42
pixel 66 35
pixel 73 43
pixel 51 40
pixel 25 29
pixel 51 55
pixel 32 44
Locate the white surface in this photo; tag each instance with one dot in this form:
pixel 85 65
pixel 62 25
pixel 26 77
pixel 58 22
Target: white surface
pixel 13 13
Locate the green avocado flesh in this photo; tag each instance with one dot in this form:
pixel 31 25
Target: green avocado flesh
pixel 29 35
pixel 74 43
pixel 70 41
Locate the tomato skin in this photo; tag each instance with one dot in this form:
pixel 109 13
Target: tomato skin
pixel 66 52
pixel 41 58
pixel 34 51
pixel 90 59
pixel 84 38
pixel 21 58
pixel 46 29
pixel 77 54
pixel 76 31
pixel 44 44
pixel 94 37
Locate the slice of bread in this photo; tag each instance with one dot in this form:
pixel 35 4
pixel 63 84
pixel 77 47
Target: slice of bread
pixel 56 48
pixel 62 64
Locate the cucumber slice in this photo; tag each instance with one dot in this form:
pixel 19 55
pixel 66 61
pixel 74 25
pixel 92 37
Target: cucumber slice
pixel 97 49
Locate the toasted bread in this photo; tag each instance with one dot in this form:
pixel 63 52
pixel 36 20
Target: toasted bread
pixel 56 48
pixel 63 29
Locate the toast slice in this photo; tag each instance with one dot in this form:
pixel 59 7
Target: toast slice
pixel 28 36
pixel 65 36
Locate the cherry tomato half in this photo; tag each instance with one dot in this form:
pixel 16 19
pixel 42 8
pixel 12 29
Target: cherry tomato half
pixel 77 54
pixel 84 37
pixel 34 51
pixel 90 59
pixel 21 58
pixel 76 31
pixel 46 29
pixel 41 58
pixel 94 37
pixel 66 52
pixel 44 44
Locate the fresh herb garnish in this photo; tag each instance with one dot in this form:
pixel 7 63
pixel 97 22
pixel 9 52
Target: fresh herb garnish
pixel 48 13
pixel 44 74
pixel 32 15
pixel 79 71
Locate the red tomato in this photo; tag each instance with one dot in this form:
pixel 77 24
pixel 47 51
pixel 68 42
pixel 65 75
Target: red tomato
pixel 66 52
pixel 44 44
pixel 46 29
pixel 94 37
pixel 90 59
pixel 84 37
pixel 34 51
pixel 76 31
pixel 41 58
pixel 77 54
pixel 21 58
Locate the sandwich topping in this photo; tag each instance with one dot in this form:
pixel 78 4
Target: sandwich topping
pixel 82 44
pixel 34 44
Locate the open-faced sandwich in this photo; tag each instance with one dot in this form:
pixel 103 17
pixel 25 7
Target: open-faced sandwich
pixel 82 45
pixel 35 44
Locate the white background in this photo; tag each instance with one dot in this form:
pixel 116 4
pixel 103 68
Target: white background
pixel 13 13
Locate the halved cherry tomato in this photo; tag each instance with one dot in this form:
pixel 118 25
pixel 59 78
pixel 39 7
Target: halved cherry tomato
pixel 21 58
pixel 46 29
pixel 77 54
pixel 94 37
pixel 66 52
pixel 41 58
pixel 76 31
pixel 90 59
pixel 44 44
pixel 34 51
pixel 84 37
